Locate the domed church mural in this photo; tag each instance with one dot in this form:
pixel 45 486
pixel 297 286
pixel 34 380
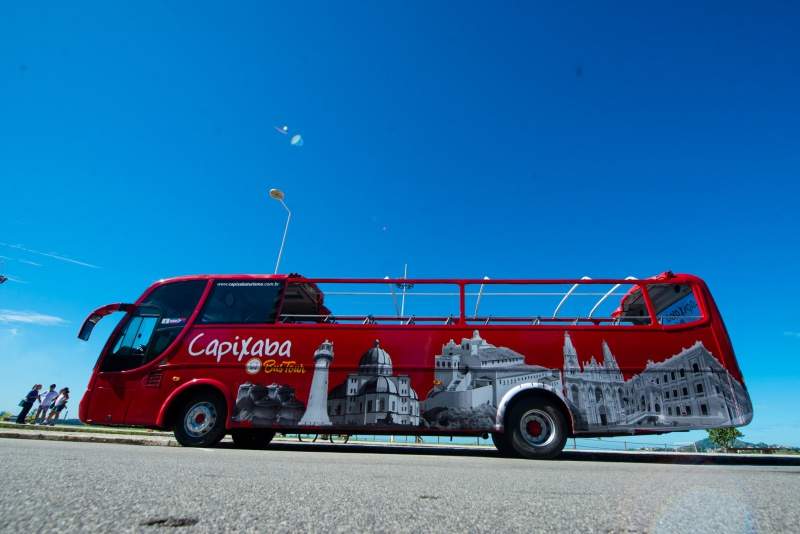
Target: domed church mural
pixel 373 395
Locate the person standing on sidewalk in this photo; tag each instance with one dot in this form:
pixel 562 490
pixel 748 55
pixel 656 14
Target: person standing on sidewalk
pixel 59 404
pixel 27 403
pixel 45 402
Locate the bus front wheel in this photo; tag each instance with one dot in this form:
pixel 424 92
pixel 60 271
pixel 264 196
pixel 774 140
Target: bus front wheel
pixel 536 429
pixel 252 439
pixel 200 421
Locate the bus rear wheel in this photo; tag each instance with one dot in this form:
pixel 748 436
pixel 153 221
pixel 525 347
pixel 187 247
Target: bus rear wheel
pixel 252 439
pixel 536 429
pixel 200 421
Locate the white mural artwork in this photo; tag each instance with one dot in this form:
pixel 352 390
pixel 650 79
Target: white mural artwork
pixel 690 389
pixel 470 379
pixel 271 405
pixel 373 395
pixel 317 411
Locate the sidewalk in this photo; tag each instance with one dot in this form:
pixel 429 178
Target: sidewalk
pixel 71 433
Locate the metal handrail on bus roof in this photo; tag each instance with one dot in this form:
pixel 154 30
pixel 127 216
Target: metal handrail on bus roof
pixel 478 300
pixel 394 297
pixel 604 297
pixel 567 294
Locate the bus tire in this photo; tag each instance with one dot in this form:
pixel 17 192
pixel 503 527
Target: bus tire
pixel 502 444
pixel 252 439
pixel 536 429
pixel 200 420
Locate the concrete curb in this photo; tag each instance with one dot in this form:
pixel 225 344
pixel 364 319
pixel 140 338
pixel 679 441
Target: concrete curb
pixel 84 429
pixel 95 438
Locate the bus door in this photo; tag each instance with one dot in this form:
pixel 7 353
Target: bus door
pixel 116 381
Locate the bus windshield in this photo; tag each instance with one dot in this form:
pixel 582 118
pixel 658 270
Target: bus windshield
pixel 152 326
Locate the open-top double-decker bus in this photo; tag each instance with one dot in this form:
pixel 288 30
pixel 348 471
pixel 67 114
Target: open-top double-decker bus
pixel 531 362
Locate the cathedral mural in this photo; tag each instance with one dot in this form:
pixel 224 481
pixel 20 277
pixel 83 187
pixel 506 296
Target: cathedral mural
pixel 690 389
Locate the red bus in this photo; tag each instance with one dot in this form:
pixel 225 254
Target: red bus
pixel 529 362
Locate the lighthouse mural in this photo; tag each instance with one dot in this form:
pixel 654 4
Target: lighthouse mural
pixel 317 411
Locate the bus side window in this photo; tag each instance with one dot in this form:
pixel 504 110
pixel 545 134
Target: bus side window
pixel 242 302
pixel 303 303
pixel 632 309
pixel 674 303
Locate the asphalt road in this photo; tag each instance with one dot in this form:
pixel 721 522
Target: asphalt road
pixel 99 487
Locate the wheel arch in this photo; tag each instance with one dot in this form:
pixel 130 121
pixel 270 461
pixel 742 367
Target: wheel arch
pixel 166 413
pixel 531 390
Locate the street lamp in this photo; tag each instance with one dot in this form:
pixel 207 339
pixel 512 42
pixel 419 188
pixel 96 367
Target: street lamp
pixel 278 195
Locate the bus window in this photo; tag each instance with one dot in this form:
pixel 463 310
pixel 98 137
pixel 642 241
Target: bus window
pixel 153 325
pixel 303 303
pixel 242 302
pixel 131 348
pixel 674 303
pixel 632 308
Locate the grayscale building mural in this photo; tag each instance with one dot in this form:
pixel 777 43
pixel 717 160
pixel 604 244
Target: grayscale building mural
pixel 317 411
pixel 373 395
pixel 688 389
pixel 470 379
pixel 267 405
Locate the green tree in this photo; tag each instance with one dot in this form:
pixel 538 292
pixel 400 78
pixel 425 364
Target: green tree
pixel 724 437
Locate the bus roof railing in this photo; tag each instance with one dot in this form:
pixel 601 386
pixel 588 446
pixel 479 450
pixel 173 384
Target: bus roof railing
pixel 479 281
pixel 452 319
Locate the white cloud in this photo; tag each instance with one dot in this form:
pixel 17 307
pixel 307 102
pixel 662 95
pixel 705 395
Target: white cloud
pixel 790 333
pixel 29 317
pixel 50 255
pixel 26 262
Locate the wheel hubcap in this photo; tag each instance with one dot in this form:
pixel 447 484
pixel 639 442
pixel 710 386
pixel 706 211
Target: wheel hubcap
pixel 200 419
pixel 534 428
pixel 537 428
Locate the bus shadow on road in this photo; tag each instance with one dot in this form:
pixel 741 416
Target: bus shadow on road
pixel 569 455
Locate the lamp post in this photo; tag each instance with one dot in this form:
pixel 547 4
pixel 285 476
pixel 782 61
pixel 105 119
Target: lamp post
pixel 278 195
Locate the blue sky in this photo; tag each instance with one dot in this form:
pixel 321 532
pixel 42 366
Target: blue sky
pixel 515 141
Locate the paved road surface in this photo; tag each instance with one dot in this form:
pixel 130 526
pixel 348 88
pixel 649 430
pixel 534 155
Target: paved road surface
pixel 102 487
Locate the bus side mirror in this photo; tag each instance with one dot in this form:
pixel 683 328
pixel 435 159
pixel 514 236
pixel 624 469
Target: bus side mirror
pixel 88 326
pixel 99 313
